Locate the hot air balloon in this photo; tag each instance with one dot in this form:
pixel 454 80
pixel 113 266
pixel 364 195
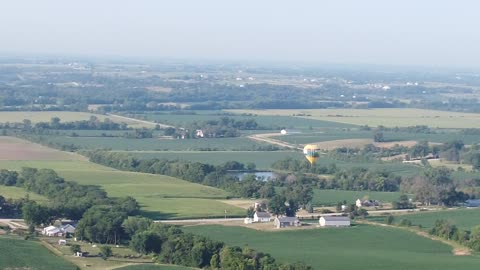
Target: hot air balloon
pixel 311 152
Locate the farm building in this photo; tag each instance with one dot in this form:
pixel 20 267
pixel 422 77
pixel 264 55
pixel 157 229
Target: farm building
pixel 59 231
pixel 366 203
pixel 472 203
pixel 334 221
pixel 261 217
pixel 282 222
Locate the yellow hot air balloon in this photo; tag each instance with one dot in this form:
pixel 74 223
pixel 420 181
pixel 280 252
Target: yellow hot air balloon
pixel 311 152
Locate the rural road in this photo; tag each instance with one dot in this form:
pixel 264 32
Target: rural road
pixel 265 137
pixel 139 121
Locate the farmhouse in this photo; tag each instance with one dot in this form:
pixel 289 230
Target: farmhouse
pixel 261 217
pixel 334 221
pixel 282 222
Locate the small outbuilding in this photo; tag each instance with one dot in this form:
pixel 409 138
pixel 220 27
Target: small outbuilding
pixel 282 222
pixel 248 220
pixel 62 242
pixel 334 221
pixel 261 217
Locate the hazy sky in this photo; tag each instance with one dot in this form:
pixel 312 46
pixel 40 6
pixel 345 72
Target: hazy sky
pixel 405 32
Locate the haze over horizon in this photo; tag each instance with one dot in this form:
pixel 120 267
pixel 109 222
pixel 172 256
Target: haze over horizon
pixel 425 33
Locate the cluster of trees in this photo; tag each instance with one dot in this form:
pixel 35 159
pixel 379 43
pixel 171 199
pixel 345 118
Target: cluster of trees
pixel 296 195
pixel 403 203
pixel 10 208
pixel 66 199
pixel 449 231
pixel 206 174
pixel 171 245
pixel 435 186
pixel 295 165
pixel 224 127
pixel 92 124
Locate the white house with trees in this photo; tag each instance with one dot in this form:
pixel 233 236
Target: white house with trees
pixel 261 217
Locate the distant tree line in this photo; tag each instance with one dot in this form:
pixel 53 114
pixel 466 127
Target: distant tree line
pixel 346 179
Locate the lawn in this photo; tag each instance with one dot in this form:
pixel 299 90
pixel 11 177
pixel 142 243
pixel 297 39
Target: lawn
pixel 16 253
pixel 328 197
pixel 359 247
pixel 384 117
pixel 263 160
pixel 161 197
pixel 12 148
pixel 463 218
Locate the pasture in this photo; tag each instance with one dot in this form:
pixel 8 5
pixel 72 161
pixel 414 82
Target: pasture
pixel 358 247
pixel 465 219
pixel 20 193
pixel 263 160
pixel 329 197
pixel 377 117
pixel 161 197
pixel 16 253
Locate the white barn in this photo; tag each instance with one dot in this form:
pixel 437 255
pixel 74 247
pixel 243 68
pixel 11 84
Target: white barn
pixel 334 221
pixel 261 217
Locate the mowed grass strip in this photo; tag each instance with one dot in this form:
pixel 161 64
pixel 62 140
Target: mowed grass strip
pixel 384 117
pixel 16 253
pixel 358 247
pixel 161 197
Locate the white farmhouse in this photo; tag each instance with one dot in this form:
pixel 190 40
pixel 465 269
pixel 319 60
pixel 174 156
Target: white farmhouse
pixel 261 217
pixel 334 221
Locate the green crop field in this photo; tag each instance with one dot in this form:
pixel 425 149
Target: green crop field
pixel 120 143
pixel 16 253
pixel 358 247
pixel 19 193
pixel 326 197
pixel 160 196
pixel 263 160
pixel 288 122
pixel 463 218
pixel 153 267
pixel 384 117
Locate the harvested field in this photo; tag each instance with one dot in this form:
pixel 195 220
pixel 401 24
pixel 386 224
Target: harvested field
pixel 12 148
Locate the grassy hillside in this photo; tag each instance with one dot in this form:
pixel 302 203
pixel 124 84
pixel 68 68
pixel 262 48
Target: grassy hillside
pixel 462 218
pixel 359 247
pixel 154 267
pixel 18 193
pixel 332 197
pixel 160 196
pixel 16 253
